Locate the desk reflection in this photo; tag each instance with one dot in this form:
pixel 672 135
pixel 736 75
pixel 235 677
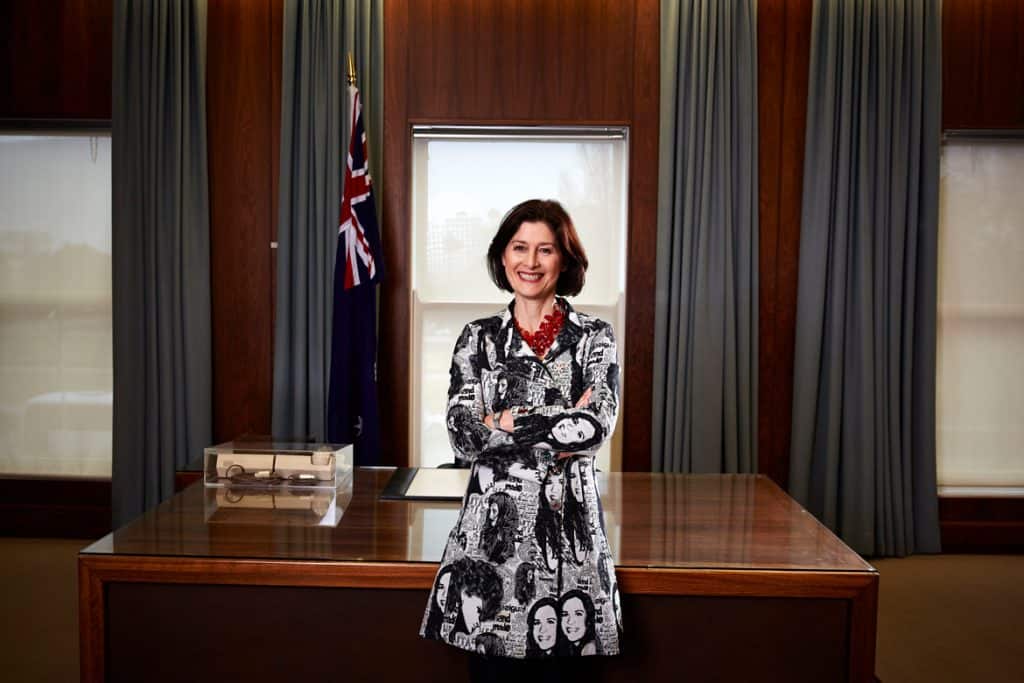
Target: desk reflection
pixel 652 520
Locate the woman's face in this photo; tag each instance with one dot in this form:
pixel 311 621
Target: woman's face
pixel 572 430
pixel 576 484
pixel 441 593
pixel 493 511
pixel 553 491
pixel 533 261
pixel 574 619
pixel 545 627
pixel 471 605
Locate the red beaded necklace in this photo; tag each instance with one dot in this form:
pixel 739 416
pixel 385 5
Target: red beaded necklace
pixel 541 340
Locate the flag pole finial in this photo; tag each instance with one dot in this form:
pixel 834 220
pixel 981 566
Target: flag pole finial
pixel 351 70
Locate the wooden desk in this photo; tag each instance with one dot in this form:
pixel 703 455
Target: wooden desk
pixel 723 578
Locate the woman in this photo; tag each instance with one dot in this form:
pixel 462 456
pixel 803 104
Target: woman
pixel 577 526
pixel 475 597
pixel 547 527
pixel 542 622
pixel 439 599
pixel 576 631
pixel 497 539
pixel 535 387
pixel 526 588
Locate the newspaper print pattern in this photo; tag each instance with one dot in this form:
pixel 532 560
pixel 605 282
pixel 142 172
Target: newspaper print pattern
pixel 527 571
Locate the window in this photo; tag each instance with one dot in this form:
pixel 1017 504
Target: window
pixel 980 382
pixel 55 317
pixel 464 180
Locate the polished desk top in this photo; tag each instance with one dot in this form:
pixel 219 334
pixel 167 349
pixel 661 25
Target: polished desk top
pixel 653 521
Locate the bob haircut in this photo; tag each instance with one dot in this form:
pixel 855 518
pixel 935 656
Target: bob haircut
pixel 550 212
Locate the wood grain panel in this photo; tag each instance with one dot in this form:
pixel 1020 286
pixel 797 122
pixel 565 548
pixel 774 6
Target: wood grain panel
pixel 54 508
pixel 779 570
pixel 56 59
pixel 643 239
pixel 243 79
pixel 783 59
pixel 982 64
pixel 393 327
pixel 986 525
pixel 533 62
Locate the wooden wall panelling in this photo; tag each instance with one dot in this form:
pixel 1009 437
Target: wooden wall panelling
pixel 460 61
pixel 243 80
pixel 783 41
pixel 643 237
pixel 983 64
pixel 56 59
pixel 981 525
pixel 393 327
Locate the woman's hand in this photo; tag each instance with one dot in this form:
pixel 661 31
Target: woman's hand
pixel 585 398
pixel 504 421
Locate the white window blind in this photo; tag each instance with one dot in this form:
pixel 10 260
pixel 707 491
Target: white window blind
pixel 464 180
pixel 55 305
pixel 980 381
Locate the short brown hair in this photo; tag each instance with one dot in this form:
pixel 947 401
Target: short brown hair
pixel 551 213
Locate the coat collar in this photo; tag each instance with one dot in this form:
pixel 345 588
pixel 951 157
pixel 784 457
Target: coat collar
pixel 571 332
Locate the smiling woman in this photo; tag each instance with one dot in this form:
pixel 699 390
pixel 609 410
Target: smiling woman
pixel 536 387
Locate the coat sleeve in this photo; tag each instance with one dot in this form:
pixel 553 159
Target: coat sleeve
pixel 601 377
pixel 466 431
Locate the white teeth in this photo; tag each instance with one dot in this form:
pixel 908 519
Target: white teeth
pixel 530 277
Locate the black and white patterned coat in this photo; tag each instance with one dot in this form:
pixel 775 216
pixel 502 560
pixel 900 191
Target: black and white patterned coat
pixel 527 571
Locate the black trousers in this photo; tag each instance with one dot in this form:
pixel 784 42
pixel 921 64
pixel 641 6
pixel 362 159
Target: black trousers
pixel 554 670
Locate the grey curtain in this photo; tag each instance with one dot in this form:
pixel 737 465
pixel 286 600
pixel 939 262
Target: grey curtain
pixel 704 411
pixel 315 114
pixel 863 448
pixel 161 253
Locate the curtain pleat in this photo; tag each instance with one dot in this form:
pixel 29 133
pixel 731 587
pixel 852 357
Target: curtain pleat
pixel 704 398
pixel 314 141
pixel 863 444
pixel 161 252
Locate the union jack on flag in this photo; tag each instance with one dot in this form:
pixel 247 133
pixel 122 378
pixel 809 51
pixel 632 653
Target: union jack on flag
pixel 358 222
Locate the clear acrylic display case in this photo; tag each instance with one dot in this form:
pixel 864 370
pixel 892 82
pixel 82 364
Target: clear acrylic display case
pixel 278 466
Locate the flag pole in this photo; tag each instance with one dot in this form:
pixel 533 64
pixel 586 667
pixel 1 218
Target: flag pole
pixel 351 70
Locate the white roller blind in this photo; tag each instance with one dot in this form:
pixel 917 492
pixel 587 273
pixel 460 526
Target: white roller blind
pixel 980 383
pixel 55 305
pixel 463 183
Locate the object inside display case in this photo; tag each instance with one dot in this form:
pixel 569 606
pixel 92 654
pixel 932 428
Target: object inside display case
pixel 276 465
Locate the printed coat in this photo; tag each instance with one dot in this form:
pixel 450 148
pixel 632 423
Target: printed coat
pixel 527 571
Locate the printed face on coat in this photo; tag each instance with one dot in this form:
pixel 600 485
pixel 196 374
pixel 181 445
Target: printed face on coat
pixel 553 491
pixel 471 605
pixel 545 627
pixel 574 619
pixel 572 430
pixel 576 483
pixel 533 261
pixel 441 594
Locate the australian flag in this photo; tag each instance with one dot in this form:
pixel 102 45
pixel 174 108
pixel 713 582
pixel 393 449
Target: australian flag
pixel 352 415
